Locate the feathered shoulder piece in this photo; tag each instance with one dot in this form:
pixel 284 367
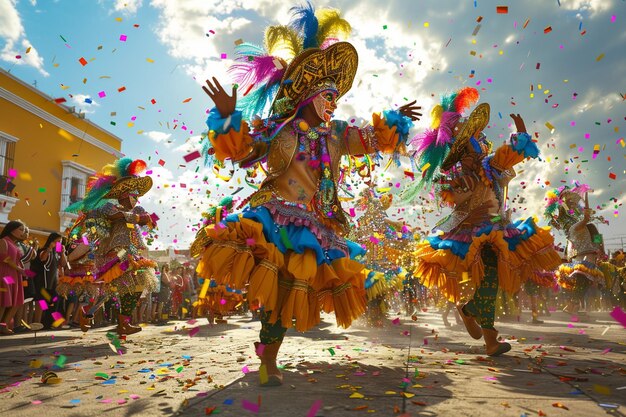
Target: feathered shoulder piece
pixel 432 146
pixel 556 201
pixel 216 213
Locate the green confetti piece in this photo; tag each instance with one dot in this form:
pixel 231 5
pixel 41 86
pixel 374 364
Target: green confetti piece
pixel 384 27
pixel 42 189
pixel 417 373
pixel 113 123
pixel 63 38
pixel 102 375
pixel 459 362
pixel 332 351
pixel 180 369
pixel 495 219
pixel 285 239
pixel 61 361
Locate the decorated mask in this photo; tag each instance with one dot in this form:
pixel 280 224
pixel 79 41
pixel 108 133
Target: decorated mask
pixel 325 104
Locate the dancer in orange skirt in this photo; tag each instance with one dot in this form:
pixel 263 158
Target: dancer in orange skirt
pixel 287 249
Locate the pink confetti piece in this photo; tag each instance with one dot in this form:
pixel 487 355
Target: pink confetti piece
pixel 85 240
pixel 260 348
pixel 191 156
pixel 107 401
pixel 223 56
pixel 57 316
pixel 396 321
pixel 59 247
pixel 12 173
pixel 194 331
pixel 36 402
pixel 43 304
pixel 122 401
pixel 245 369
pixel 191 321
pixel 8 280
pixel 491 378
pixel 250 242
pixel 605 351
pixel 102 94
pixel 314 408
pixel 134 396
pixel 619 315
pixel 123 38
pixel 250 406
pixel 352 212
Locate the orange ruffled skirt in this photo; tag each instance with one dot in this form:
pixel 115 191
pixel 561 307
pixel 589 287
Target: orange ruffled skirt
pixel 456 270
pixel 283 269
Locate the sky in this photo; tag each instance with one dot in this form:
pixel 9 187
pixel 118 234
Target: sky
pixel 560 64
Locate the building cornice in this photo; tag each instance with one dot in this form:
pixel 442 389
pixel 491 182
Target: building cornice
pixel 78 167
pixel 26 105
pixel 8 137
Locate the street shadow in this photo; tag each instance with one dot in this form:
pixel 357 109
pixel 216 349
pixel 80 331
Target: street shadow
pixel 333 389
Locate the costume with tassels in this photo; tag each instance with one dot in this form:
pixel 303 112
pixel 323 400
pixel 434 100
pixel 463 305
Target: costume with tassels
pixel 286 248
pixel 476 249
pixel 106 240
pixel 566 211
pixel 217 299
pixel 388 244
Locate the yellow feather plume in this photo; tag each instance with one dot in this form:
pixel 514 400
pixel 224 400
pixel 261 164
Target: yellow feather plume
pixel 435 115
pixel 110 169
pixel 331 25
pixel 283 42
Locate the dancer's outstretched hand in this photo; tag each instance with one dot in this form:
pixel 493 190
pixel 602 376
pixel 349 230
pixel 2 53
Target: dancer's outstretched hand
pixel 411 111
pixel 519 123
pixel 225 104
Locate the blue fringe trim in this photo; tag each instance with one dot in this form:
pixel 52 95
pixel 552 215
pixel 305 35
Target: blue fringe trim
pixel 216 122
pixel 522 144
pixel 296 238
pixel 402 123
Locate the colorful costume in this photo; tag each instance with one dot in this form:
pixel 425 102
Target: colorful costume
pixel 388 244
pixel 286 248
pixel 476 249
pixel 110 236
pixel 584 244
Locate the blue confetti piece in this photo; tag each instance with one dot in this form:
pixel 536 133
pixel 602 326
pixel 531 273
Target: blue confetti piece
pixel 580 26
pixel 500 115
pixel 228 401
pixel 109 382
pixel 144 370
pixel 88 101
pixel 186 357
pixel 75 401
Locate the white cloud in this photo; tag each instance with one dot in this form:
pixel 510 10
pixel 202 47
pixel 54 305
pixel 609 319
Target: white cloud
pixel 158 137
pixel 589 6
pixel 12 31
pixel 78 100
pixel 127 7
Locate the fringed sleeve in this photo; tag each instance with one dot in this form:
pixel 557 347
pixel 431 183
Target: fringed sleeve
pixel 229 136
pixel 388 133
pixel 519 148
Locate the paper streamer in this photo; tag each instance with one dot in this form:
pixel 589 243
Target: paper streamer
pixel 314 408
pixel 619 315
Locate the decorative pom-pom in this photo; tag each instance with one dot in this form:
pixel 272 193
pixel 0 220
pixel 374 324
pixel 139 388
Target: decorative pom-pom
pixel 435 114
pixel 465 98
pixel 137 167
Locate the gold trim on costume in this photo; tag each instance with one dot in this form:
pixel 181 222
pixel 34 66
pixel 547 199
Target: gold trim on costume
pixel 476 122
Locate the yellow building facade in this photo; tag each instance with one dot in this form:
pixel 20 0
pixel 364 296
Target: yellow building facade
pixel 47 153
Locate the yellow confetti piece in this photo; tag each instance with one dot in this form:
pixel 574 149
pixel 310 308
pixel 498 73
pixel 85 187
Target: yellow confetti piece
pixel 550 127
pixel 263 377
pixel 205 288
pixel 150 60
pixel 464 277
pixel 118 19
pixel 418 386
pixel 357 395
pixel 390 392
pixel 408 395
pixel 602 389
pixel 426 24
pixel 35 363
pixel 130 124
pixel 599 58
pixel 58 322
pixel 28 49
pixel 65 134
pixel 426 166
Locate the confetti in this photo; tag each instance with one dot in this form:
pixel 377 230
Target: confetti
pixel 502 9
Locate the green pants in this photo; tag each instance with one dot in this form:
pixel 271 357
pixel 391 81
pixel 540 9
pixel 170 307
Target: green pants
pixel 482 306
pixel 271 332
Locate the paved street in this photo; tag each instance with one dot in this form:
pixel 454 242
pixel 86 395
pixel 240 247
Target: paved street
pixel 411 367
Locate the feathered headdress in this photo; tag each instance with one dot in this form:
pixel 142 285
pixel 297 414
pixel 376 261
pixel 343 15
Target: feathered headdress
pixel 216 213
pixel 260 71
pixel 433 146
pixel 111 182
pixel 556 198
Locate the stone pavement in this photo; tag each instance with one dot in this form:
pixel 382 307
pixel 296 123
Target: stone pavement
pixel 409 367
